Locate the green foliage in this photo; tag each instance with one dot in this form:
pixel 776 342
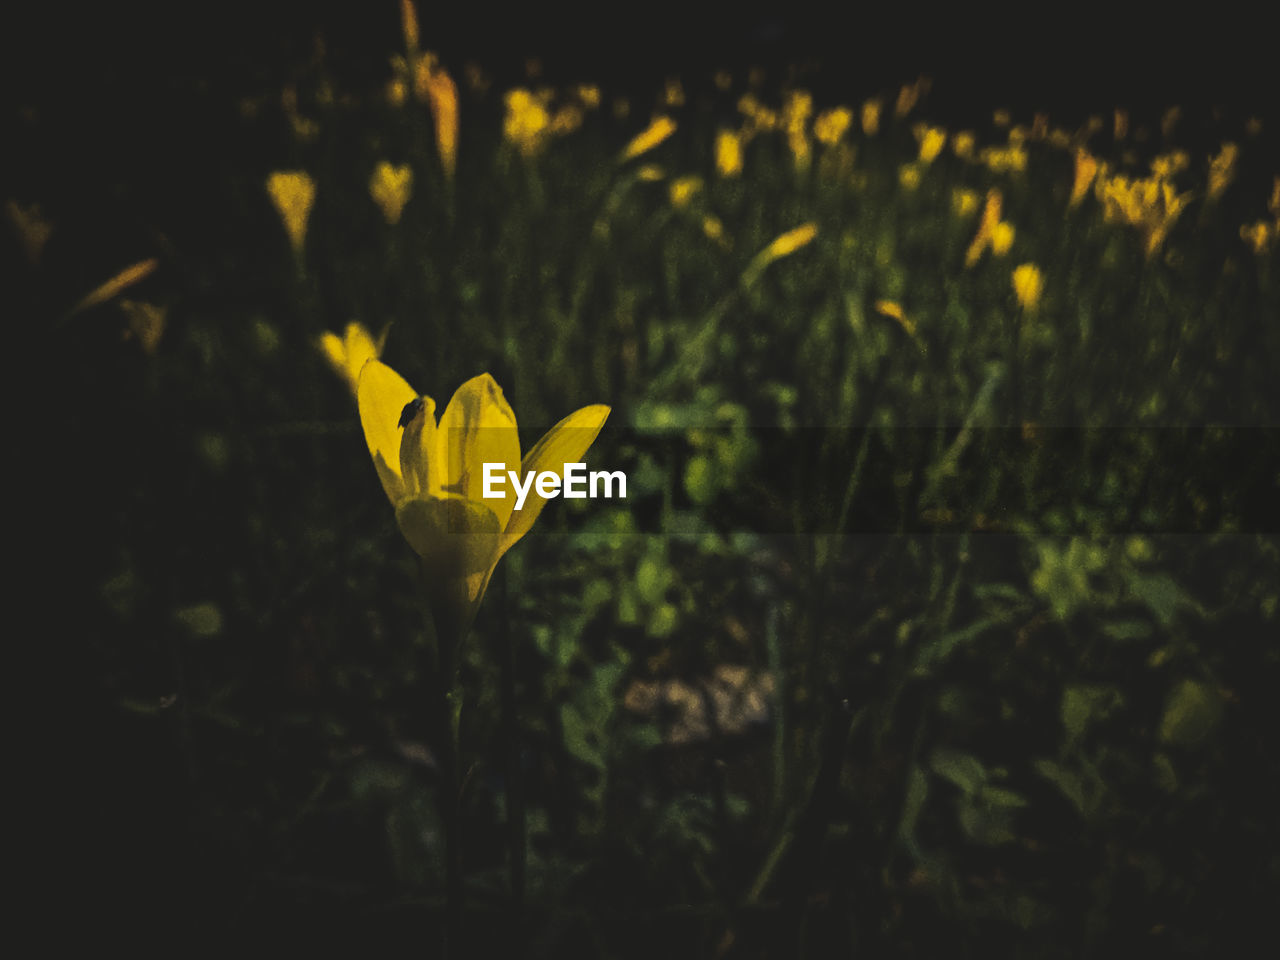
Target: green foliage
pixel 1009 549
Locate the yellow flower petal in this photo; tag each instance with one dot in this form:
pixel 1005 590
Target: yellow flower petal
pixel 477 427
pixel 564 443
pixel 381 396
pixel 658 131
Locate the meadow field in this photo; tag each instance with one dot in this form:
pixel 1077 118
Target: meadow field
pixel 935 615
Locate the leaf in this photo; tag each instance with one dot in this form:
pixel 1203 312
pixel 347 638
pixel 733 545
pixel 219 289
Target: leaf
pixel 1127 629
pixel 1068 781
pixel 963 769
pixel 1084 705
pixel 1160 593
pixel 1191 714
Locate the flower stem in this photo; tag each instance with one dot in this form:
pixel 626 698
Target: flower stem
pixel 444 698
pixel 516 826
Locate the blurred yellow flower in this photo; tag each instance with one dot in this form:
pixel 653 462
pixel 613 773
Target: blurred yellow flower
pixel 1005 159
pixel 566 120
pixel 397 92
pixel 1165 166
pixel 990 220
pixel 830 125
pixel 1086 168
pixel 782 246
pixel 659 130
pixel 963 202
pixel 390 187
pixel 349 353
pixel 909 176
pixel 1120 127
pixel 527 121
pixel 293 192
pixel 121 281
pixel 1028 284
pixel 963 143
pixel 931 140
pixel 682 190
pixel 723 80
pixel 146 323
pixel 1001 118
pixel 728 153
pixel 1002 238
pixel 433 475
pixel 673 93
pixel 434 84
pixel 796 112
pixel 871 117
pixel 893 309
pixel 1222 169
pixel 713 230
pixel 589 95
pixel 1258 235
pixel 1152 205
pixel 910 95
pixel 409 25
pixel 650 173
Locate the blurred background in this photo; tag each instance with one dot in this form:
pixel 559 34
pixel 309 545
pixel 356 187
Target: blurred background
pixel 941 611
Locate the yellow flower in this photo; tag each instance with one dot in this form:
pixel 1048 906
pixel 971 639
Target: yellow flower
pixel 1086 169
pixel 728 153
pixel 796 112
pixel 1001 118
pixel 931 140
pixel 652 135
pixel 963 202
pixel 673 94
pixel 434 475
pixel 909 96
pixel 566 120
pixel 650 173
pixel 962 144
pixel 527 121
pixel 871 117
pixel 713 229
pixel 1004 159
pixel 830 125
pixel 293 192
pixel 121 281
pixel 990 220
pixel 682 191
pixel 1121 126
pixel 1002 238
pixel 391 188
pixel 409 25
pixel 791 241
pixel 1028 284
pixel 1258 235
pixel 909 176
pixel 782 246
pixel 589 95
pixel 349 353
pixel 437 87
pixel 1222 169
pixel 893 309
pixel 1168 165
